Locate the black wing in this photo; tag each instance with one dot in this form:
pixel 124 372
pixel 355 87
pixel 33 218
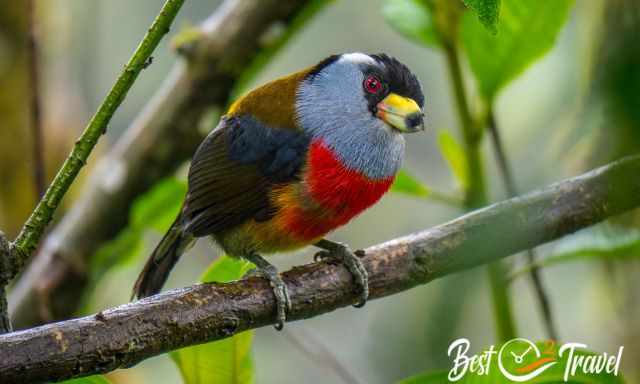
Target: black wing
pixel 233 171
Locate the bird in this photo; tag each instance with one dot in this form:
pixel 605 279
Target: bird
pixel 291 161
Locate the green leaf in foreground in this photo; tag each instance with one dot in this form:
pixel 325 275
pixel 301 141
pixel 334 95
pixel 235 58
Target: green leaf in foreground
pixel 97 379
pixel 224 361
pixel 226 269
pixel 527 31
pixel 488 12
pixel 548 353
pixel 455 157
pixel 412 19
pixel 409 185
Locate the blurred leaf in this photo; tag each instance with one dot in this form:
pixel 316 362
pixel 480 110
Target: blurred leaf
pixel 455 157
pixel 221 362
pixel 226 269
pixel 409 185
pixel 412 19
pixel 156 210
pixel 88 380
pixel 224 361
pixel 159 207
pixel 488 12
pixel 547 353
pixel 597 244
pixel 527 31
pixel 120 251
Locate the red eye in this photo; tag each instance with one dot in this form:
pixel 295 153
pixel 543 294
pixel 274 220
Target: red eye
pixel 372 84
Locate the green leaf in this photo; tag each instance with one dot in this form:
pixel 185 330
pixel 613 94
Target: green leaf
pixel 412 19
pixel 455 157
pixel 155 210
pixel 488 12
pixel 226 269
pixel 534 357
pixel 97 379
pixel 159 207
pixel 596 244
pixel 527 31
pixel 409 185
pixel 224 361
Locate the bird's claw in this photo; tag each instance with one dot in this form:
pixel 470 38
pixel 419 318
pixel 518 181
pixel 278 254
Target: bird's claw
pixel 280 291
pixel 352 261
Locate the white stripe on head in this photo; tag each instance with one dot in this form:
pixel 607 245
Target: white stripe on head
pixel 357 58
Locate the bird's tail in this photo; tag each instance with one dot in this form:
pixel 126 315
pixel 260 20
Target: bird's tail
pixel 156 271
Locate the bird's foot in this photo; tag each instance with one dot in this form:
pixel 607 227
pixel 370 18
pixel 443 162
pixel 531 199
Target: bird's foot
pixel 351 260
pixel 280 291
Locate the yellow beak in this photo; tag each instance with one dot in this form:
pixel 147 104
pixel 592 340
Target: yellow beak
pixel 402 113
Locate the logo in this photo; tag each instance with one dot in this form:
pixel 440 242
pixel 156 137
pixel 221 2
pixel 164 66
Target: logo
pixel 528 359
pixel 521 360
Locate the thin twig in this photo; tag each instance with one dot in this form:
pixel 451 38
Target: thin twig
pixel 125 335
pixel 35 96
pixel 318 352
pixel 512 190
pixel 31 233
pixel 476 192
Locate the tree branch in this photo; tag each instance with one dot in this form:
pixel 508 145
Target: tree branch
pixel 227 43
pixel 128 334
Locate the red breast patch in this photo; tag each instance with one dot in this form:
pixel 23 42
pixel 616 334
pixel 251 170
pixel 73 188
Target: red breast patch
pixel 344 191
pixel 340 193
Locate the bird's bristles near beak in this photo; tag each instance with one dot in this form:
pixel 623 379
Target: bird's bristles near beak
pixel 402 113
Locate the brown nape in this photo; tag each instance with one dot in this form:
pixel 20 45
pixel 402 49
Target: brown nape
pixel 273 103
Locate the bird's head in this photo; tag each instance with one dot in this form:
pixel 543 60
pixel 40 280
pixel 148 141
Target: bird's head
pixel 358 91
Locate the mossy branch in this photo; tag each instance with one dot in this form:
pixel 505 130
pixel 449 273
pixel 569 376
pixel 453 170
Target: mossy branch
pixel 123 336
